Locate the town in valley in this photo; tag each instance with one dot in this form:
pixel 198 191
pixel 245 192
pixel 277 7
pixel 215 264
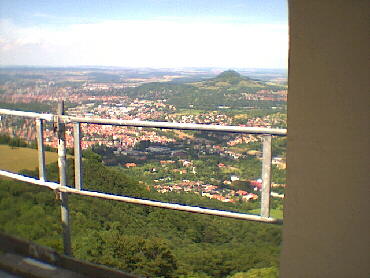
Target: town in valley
pixel 224 167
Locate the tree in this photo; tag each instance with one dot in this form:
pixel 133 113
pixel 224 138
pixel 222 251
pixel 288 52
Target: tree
pixel 146 256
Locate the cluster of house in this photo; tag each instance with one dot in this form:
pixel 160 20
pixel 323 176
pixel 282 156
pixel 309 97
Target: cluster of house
pixel 24 129
pixel 244 138
pixel 208 190
pixel 54 94
pixel 281 95
pixel 213 117
pixel 225 195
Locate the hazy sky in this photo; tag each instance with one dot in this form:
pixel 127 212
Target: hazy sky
pixel 145 33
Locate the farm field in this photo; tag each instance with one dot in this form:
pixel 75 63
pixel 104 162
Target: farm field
pixel 275 213
pixel 15 159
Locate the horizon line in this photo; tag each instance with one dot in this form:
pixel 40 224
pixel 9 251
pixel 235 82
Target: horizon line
pixel 138 67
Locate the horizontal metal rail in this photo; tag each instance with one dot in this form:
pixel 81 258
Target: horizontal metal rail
pixel 48 184
pixel 174 125
pixel 47 117
pixel 151 203
pixel 164 125
pixel 62 189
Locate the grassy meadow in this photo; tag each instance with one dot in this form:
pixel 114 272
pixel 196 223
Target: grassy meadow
pixel 275 213
pixel 15 159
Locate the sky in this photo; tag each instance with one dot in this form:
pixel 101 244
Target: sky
pixel 145 33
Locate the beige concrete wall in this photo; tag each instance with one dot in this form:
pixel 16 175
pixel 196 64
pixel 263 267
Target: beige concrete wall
pixel 327 213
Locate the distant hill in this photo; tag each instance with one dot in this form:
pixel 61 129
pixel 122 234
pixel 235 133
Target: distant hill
pixel 231 76
pixel 226 89
pixel 230 80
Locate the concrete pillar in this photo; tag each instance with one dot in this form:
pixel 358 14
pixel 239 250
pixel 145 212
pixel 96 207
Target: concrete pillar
pixel 326 216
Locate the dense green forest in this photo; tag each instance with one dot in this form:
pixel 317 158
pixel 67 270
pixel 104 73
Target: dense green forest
pixel 148 241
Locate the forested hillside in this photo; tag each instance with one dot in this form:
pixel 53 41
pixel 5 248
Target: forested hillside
pixel 147 241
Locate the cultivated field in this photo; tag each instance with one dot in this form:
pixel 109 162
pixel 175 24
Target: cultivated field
pixel 15 159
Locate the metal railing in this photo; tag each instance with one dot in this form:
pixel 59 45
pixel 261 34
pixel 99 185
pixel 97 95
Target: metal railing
pixel 60 120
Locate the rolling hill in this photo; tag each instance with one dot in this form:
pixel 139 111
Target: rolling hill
pixel 226 89
pixel 229 80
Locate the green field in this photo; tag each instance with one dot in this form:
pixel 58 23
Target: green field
pixel 15 159
pixel 275 213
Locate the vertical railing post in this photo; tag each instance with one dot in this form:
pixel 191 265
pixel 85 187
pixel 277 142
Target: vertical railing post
pixel 63 181
pixel 78 156
pixel 41 149
pixel 266 176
